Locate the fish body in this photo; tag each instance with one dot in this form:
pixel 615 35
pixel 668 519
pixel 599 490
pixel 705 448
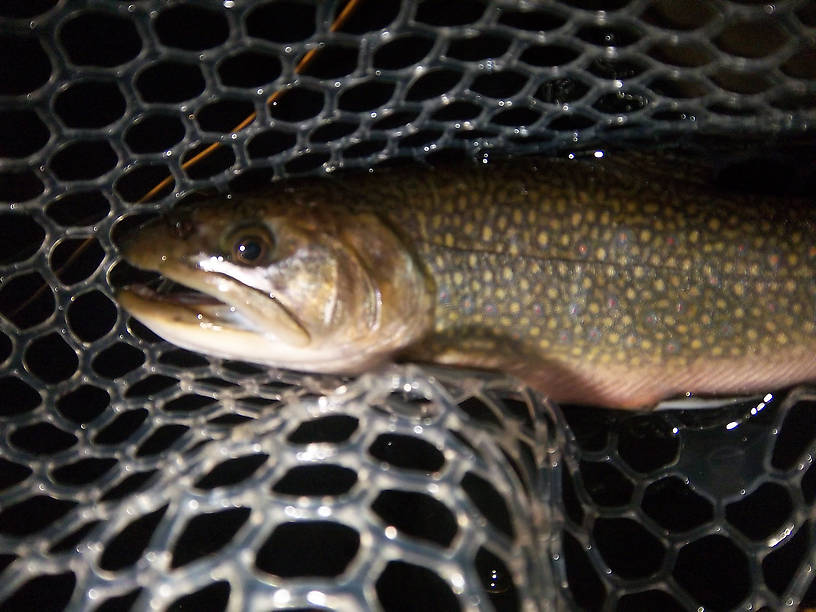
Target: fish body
pixel 593 283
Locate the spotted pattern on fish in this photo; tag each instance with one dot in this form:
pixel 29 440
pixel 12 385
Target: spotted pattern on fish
pixel 589 266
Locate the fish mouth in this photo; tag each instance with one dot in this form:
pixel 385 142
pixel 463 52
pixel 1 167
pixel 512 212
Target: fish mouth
pixel 206 309
pixel 202 305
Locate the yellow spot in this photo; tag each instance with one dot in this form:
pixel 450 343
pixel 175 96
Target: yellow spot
pixel 506 321
pixel 543 239
pixel 631 294
pixel 752 335
pixel 565 240
pixel 552 293
pixel 501 223
pixel 524 284
pixel 600 254
pixel 488 276
pixel 473 261
pixel 614 338
pixel 449 241
pixel 640 271
pixel 453 316
pixel 436 221
pixel 544 343
pixel 507 273
pixel 535 331
pixel 739 313
pixel 781 338
pixel 659 285
pixel 714 224
pixel 646 345
pixel 575 219
pixel 645 235
pixel 790 285
pixel 487 233
pixel 694 237
pixel 458 278
pixel 552 324
pixel 696 344
pixel 475 285
pixel 500 293
pixel 586 283
pixel 739 289
pixel 517 217
pixel 515 308
pixel 669 320
pixel 468 229
pixel 440 261
pixel 716 351
pixel 577 351
pixel 594 308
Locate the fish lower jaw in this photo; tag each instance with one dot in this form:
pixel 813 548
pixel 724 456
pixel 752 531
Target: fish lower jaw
pixel 219 330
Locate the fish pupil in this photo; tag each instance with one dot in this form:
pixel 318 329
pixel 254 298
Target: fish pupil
pixel 249 249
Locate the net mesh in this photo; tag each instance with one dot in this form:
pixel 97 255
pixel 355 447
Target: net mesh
pixel 134 474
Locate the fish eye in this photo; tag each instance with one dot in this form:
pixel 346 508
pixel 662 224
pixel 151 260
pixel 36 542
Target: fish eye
pixel 250 247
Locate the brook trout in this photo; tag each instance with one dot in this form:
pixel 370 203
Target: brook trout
pixel 590 282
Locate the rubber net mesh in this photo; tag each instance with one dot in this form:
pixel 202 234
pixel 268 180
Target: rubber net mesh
pixel 135 475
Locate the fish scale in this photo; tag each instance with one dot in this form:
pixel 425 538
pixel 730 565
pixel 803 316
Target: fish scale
pixel 580 263
pixel 589 281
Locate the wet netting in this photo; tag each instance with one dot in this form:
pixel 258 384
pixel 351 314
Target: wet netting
pixel 136 475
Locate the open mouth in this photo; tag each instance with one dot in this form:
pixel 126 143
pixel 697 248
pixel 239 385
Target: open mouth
pixel 204 307
pixel 175 293
pixel 250 310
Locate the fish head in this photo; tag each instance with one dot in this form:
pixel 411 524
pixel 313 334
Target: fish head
pixel 289 284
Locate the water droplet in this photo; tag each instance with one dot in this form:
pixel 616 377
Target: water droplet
pixel 497 581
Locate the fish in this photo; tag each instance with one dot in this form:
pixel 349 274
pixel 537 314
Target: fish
pixel 595 282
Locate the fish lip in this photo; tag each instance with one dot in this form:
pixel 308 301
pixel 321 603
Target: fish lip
pixel 202 306
pixel 187 298
pixel 191 306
